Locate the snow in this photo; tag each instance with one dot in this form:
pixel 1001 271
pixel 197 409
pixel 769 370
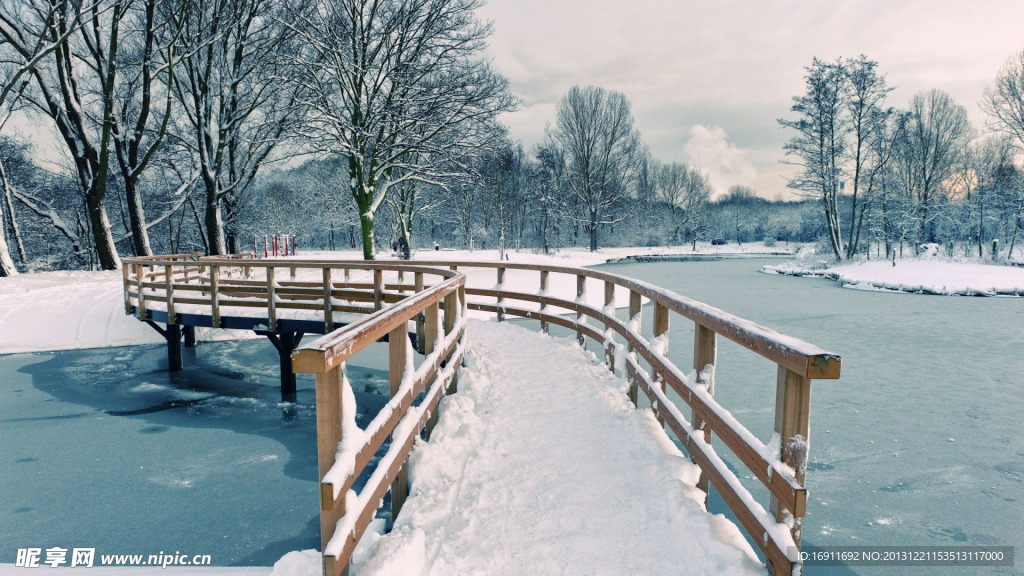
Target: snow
pixel 590 481
pixel 930 276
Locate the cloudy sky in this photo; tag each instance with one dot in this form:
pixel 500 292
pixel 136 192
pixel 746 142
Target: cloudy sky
pixel 708 78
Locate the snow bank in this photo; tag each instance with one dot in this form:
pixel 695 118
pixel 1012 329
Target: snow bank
pixel 70 310
pixel 530 471
pixel 918 276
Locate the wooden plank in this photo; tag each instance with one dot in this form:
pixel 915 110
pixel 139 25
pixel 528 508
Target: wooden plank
pixel 792 423
pixel 661 319
pixel 139 274
pixel 378 287
pixel 609 305
pixel 581 292
pixel 328 436
pixel 705 352
pixel 398 346
pixel 169 290
pixel 418 284
pixel 501 288
pixel 125 282
pixel 328 312
pixel 635 307
pixel 271 300
pixel 543 292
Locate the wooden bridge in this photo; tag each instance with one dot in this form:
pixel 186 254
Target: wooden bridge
pixel 424 305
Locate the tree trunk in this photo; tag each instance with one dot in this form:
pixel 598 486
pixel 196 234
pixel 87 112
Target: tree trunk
pixel 137 219
pixel 7 267
pixel 593 231
pixel 103 240
pixel 213 221
pixel 366 226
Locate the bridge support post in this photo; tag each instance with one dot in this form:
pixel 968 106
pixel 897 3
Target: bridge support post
pixel 190 336
pixel 173 336
pixel 286 343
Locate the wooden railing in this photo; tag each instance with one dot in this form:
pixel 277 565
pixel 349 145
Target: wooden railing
pixel 645 363
pixel 640 354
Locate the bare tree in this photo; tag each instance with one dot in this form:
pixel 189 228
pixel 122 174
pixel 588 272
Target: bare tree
pixel 595 128
pixel 82 42
pixel 686 192
pixel 938 131
pixel 237 87
pixel 820 142
pixel 866 91
pixel 400 89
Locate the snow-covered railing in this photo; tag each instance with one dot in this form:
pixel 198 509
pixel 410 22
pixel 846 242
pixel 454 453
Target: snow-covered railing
pixel 218 287
pixel 344 450
pixel 780 465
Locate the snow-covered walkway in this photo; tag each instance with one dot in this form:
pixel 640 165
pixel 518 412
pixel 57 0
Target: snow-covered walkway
pixel 540 465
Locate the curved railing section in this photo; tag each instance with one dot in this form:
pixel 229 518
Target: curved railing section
pixel 324 292
pixel 781 467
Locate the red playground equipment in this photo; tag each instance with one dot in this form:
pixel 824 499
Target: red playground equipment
pixel 276 245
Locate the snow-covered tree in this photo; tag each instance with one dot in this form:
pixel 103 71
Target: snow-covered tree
pixel 603 150
pixel 237 87
pixel 400 88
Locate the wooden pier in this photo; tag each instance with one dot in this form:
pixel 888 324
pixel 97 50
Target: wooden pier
pixel 355 303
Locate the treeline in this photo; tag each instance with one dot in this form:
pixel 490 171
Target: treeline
pixel 921 174
pixel 194 125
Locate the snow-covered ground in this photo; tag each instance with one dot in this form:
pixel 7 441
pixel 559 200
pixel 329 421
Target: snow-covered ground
pixel 919 275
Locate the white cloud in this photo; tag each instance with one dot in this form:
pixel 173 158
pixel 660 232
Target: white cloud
pixel 708 149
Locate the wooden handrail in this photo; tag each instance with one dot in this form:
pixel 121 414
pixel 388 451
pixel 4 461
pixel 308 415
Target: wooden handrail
pixel 798 363
pixel 797 355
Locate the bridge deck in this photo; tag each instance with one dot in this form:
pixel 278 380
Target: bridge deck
pixel 541 465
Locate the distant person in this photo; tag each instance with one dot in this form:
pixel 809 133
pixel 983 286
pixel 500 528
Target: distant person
pixel 436 245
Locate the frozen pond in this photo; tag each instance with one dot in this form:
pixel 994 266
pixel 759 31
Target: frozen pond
pixel 105 449
pixel 919 443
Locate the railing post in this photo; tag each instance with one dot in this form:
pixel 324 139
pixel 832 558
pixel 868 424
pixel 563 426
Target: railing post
pixel 661 332
pixel 398 351
pixel 126 274
pixel 501 300
pixel 215 295
pixel 378 288
pixel 609 309
pixel 635 307
pixel 140 278
pixel 328 436
pixel 418 286
pixel 451 304
pixel 169 287
pixel 543 305
pixel 792 424
pixel 271 300
pixel 581 292
pixel 328 305
pixel 705 352
pixel 430 326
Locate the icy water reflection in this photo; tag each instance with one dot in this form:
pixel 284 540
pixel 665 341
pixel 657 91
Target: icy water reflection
pixel 919 443
pixel 105 449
